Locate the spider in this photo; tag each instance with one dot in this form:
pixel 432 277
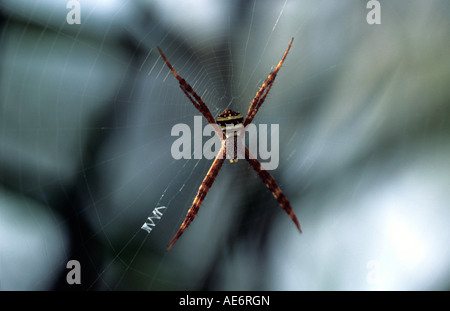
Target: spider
pixel 228 127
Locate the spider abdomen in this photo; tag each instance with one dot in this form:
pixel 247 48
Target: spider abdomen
pixel 231 122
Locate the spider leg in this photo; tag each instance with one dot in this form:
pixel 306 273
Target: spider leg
pixel 201 194
pixel 194 97
pixel 261 95
pixel 273 187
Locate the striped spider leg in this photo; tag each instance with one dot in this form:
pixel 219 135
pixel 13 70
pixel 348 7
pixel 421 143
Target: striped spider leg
pixel 194 97
pixel 273 187
pixel 261 95
pixel 229 126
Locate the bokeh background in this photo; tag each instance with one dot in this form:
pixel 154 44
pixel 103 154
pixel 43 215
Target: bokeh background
pixel 86 112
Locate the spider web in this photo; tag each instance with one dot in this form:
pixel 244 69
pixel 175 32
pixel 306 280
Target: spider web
pixel 86 116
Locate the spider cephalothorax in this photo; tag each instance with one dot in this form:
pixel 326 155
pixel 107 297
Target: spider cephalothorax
pixel 230 125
